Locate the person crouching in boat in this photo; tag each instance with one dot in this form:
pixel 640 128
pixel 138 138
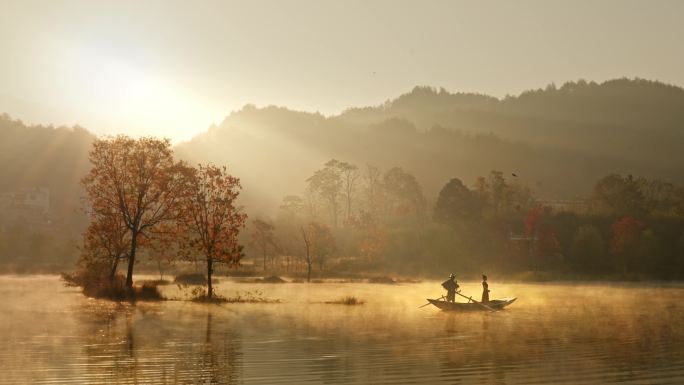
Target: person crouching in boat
pixel 485 289
pixel 451 286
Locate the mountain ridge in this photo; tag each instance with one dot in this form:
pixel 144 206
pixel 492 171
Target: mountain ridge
pixel 560 140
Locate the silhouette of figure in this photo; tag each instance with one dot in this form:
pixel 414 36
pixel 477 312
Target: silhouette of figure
pixel 485 289
pixel 451 286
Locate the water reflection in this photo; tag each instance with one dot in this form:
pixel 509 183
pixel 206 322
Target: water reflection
pixel 596 334
pixel 138 344
pixel 220 358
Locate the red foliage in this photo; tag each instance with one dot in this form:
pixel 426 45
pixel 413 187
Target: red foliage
pixel 626 232
pixel 548 243
pixel 532 218
pixel 373 243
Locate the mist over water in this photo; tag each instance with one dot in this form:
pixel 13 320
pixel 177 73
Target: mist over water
pixel 554 333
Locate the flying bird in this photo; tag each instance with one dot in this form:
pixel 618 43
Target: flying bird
pixel 514 174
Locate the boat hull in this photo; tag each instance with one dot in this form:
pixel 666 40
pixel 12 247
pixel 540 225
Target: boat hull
pixel 496 304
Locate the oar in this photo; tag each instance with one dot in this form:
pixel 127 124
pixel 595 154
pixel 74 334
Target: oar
pixel 479 303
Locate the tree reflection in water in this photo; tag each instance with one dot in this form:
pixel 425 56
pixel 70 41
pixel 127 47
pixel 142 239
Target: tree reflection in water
pixel 132 344
pixel 220 356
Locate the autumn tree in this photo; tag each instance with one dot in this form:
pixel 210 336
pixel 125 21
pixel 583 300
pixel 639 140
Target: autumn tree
pixel 622 195
pixel 263 238
pixel 541 235
pixel 547 241
pixel 403 193
pixel 137 180
pixel 307 237
pixel 373 238
pixel 106 243
pixel 500 198
pixel 211 220
pixel 292 208
pixel 327 184
pixel 349 174
pixel 456 204
pixel 531 220
pixel 625 241
pixel 319 243
pixel 163 248
pixel 372 177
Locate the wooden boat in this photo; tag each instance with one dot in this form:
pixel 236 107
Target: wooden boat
pixel 496 304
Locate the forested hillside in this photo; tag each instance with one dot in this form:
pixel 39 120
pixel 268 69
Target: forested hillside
pixel 558 140
pixel 44 156
pixel 40 195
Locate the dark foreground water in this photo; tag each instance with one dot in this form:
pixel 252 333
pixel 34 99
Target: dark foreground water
pixel 552 334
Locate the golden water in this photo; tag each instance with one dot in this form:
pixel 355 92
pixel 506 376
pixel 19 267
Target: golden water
pixel 555 333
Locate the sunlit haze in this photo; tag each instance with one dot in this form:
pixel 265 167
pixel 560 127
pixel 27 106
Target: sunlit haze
pixel 172 68
pixel 341 192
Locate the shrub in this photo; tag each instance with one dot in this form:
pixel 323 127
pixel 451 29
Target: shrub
pixel 191 279
pixel 348 300
pixel 271 279
pixel 384 280
pixel 96 282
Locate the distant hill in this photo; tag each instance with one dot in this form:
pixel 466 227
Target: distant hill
pixel 40 156
pixel 559 140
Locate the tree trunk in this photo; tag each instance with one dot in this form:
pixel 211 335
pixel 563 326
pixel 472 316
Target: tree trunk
pixel 334 207
pixel 210 290
pixel 308 255
pixel 112 271
pixel 131 261
pixel 348 206
pixel 264 256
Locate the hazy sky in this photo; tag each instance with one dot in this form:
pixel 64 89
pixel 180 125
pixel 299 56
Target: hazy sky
pixel 171 68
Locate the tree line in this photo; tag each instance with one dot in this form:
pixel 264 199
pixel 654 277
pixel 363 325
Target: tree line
pixel 366 220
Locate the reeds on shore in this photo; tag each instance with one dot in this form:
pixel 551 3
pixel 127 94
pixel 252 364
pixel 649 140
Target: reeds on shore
pixel 347 300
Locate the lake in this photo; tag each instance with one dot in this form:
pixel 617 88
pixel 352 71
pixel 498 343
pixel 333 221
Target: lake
pixel 554 333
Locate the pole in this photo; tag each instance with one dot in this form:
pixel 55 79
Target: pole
pixel 480 303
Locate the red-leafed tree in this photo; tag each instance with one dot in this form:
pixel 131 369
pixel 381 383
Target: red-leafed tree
pixel 373 243
pixel 542 237
pixel 138 182
pixel 211 219
pixel 547 241
pixel 532 218
pixel 626 233
pixel 626 239
pixel 105 243
pixel 373 237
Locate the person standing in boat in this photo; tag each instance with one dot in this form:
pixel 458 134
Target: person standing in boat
pixel 451 286
pixel 485 289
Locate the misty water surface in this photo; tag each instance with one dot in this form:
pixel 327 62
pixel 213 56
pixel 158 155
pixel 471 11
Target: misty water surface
pixel 553 333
